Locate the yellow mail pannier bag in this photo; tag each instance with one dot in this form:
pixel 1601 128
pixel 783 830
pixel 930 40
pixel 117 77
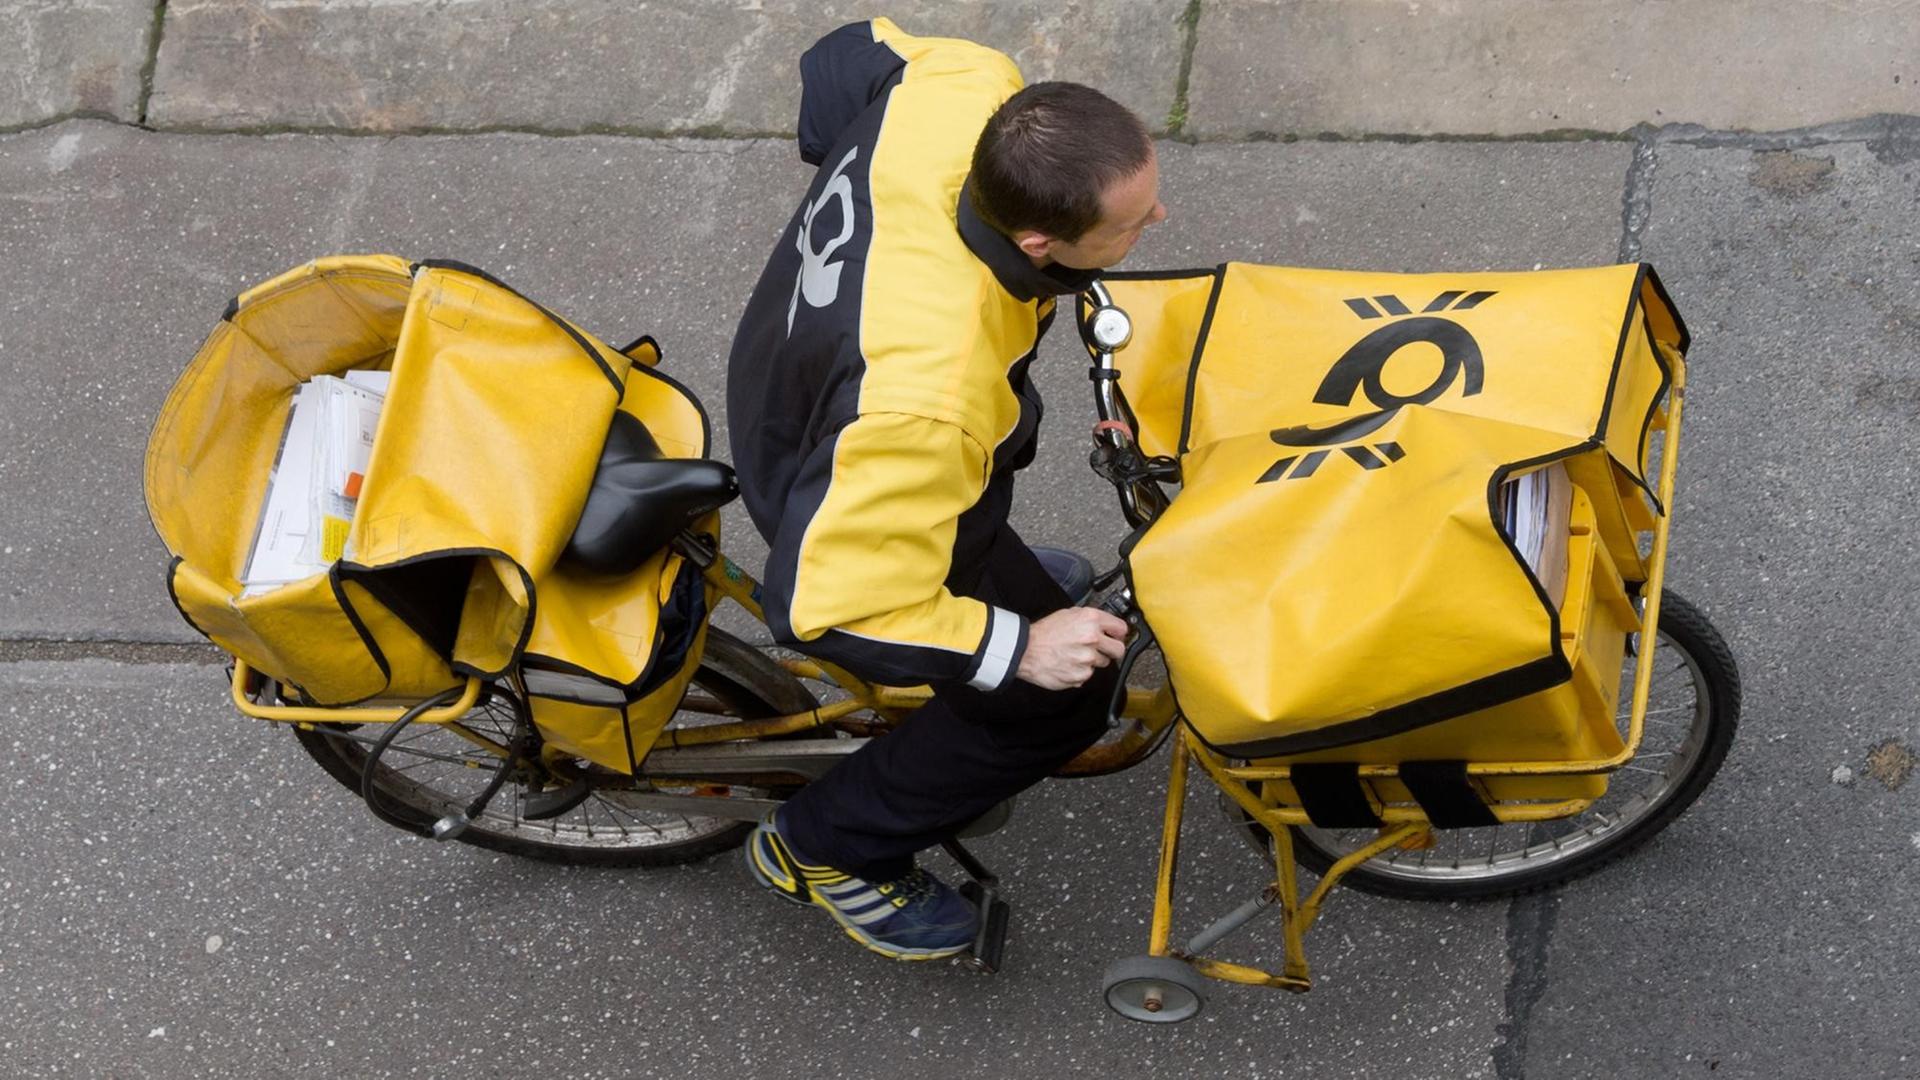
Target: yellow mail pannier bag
pixel 1338 567
pixel 487 442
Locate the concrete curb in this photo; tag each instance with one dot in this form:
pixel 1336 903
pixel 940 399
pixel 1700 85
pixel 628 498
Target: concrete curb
pixel 1216 70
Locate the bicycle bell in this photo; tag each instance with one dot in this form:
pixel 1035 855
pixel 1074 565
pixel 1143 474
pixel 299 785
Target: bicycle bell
pixel 1111 329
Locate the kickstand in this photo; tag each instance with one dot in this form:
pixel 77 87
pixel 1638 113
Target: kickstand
pixel 983 892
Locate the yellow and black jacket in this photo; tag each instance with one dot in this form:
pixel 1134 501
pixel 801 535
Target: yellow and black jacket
pixel 878 396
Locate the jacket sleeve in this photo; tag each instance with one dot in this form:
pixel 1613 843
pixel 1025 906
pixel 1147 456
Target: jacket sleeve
pixel 840 76
pixel 859 563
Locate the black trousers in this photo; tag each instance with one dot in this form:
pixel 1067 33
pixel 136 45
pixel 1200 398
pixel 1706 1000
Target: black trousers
pixel 957 756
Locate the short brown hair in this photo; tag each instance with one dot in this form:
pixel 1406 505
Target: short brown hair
pixel 1047 154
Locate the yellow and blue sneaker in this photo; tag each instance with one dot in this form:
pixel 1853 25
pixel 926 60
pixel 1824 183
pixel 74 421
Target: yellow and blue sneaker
pixel 913 917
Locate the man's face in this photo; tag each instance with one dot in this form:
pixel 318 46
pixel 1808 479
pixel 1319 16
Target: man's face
pixel 1127 207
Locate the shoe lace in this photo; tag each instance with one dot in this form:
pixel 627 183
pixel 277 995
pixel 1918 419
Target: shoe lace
pixel 916 884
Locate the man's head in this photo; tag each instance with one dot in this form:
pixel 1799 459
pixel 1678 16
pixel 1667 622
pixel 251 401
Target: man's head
pixel 1069 174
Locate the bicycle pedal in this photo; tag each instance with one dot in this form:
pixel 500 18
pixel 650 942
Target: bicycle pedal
pixel 553 802
pixel 990 941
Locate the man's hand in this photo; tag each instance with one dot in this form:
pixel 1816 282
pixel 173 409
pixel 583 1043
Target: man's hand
pixel 1064 648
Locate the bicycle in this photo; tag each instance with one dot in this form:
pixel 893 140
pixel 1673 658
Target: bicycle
pixel 469 763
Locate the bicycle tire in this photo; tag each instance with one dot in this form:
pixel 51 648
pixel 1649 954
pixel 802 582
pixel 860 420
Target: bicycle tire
pixel 1715 677
pixel 743 679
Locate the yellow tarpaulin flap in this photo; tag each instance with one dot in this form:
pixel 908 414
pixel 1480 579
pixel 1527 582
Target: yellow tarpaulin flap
pixel 488 440
pixel 489 433
pixel 1167 313
pixel 1335 567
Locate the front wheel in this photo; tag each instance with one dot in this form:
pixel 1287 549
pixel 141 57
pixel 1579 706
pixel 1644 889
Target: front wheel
pixel 433 770
pixel 1692 711
pixel 1154 989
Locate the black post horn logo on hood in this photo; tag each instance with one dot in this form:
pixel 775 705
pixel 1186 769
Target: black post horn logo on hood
pixel 1360 367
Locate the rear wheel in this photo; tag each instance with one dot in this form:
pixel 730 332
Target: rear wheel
pixel 431 771
pixel 1692 712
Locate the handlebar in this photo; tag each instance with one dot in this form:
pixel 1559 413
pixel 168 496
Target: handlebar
pixel 1105 329
pixel 1106 395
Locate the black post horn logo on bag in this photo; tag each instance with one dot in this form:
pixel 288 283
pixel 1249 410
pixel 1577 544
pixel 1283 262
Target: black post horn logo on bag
pixel 1359 368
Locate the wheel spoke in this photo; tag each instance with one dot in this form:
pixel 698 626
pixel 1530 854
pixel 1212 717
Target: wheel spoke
pixel 440 756
pixel 430 769
pixel 630 815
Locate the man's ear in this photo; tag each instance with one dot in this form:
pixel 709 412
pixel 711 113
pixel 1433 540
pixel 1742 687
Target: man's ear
pixel 1037 245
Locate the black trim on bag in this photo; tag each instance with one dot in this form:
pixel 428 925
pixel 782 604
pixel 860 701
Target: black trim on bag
pixel 1332 795
pixel 1180 716
pixel 1497 689
pixel 1660 290
pixel 706 422
pixel 173 570
pixel 1160 275
pixel 626 737
pixel 543 662
pixel 428 600
pixel 526 582
pixel 644 339
pixel 526 631
pixel 579 339
pixel 1445 794
pixel 679 622
pixel 668 663
pixel 1640 478
pixel 1642 274
pixel 1193 365
pixel 232 309
pixel 1493 515
pixel 1619 353
pixel 366 640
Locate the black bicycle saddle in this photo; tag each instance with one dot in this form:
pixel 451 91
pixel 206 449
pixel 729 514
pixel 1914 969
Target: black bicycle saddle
pixel 641 499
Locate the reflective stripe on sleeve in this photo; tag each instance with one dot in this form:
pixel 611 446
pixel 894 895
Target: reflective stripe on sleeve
pixel 996 658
